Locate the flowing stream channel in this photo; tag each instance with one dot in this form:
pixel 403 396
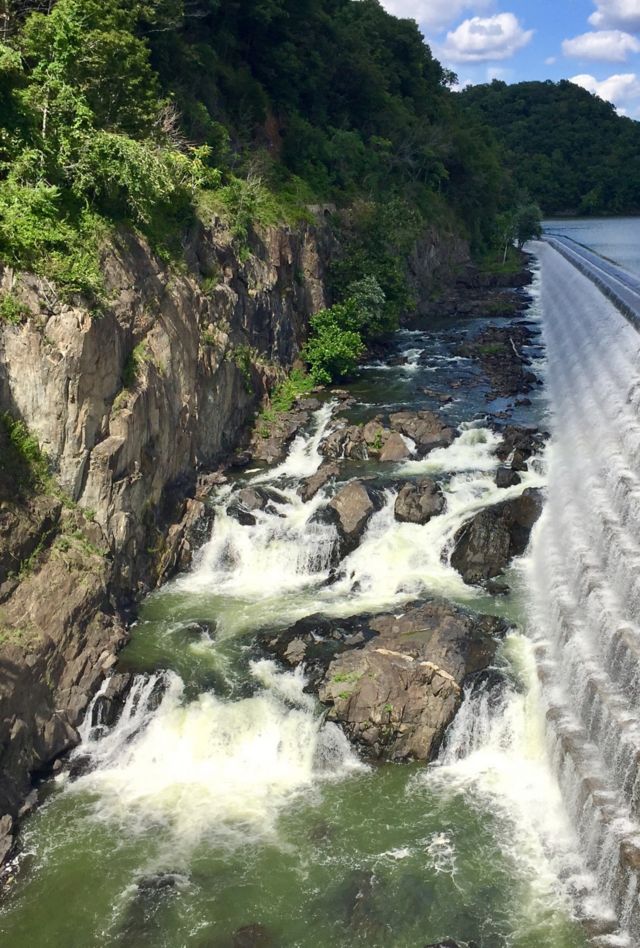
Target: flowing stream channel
pixel 224 799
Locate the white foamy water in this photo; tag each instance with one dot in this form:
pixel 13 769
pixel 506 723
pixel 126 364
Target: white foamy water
pixel 212 768
pixel 495 753
pixel 282 563
pixel 584 575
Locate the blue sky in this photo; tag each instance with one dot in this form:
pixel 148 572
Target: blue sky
pixel 595 43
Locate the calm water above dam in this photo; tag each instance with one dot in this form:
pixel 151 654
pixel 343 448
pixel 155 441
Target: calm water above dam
pixel 617 238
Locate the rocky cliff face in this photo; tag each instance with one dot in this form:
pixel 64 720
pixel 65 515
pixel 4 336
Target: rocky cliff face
pixel 129 403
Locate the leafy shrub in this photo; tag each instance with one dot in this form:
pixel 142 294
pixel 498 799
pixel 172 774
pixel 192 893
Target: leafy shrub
pixel 332 352
pixel 12 310
pixel 23 465
pixel 337 341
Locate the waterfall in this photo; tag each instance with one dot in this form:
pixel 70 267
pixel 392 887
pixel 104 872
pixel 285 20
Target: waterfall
pixel 210 768
pixel 584 577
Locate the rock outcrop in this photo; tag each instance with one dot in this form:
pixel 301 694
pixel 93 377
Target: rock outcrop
pixel 394 682
pixel 135 402
pixel 486 544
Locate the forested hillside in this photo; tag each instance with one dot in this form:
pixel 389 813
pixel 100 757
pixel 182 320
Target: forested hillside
pixel 143 110
pixel 568 148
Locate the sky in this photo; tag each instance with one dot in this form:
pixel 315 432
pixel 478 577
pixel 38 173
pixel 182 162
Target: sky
pixel 595 43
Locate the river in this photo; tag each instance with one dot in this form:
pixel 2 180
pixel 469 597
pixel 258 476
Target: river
pixel 234 807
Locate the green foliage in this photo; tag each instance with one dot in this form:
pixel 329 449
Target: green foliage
pixel 243 358
pixel 140 111
pixel 528 223
pixel 12 310
pixel 132 367
pixel 378 239
pixel 332 352
pixel 566 147
pixel 339 334
pixel 23 466
pixel 518 225
pixel 283 398
pixel 285 394
pixel 491 348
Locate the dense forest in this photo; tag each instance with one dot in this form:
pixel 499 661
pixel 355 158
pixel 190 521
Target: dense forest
pixel 132 109
pixel 146 113
pixel 568 148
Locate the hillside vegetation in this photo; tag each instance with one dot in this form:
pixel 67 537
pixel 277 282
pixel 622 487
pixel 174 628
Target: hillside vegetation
pixel 146 113
pixel 569 149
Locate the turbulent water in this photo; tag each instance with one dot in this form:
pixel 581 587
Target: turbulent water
pixel 229 801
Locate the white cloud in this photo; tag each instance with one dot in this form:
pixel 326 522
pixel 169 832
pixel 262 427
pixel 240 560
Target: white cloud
pixel 622 90
pixel 435 14
pixel 611 46
pixel 617 14
pixel 498 72
pixel 550 61
pixel 480 39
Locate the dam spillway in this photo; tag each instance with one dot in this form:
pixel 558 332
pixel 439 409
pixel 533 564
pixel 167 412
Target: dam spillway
pixel 585 558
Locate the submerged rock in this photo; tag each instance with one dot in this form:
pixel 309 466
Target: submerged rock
pixel 486 544
pixel 418 503
pixel 252 936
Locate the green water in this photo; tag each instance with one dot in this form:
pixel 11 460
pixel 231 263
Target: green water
pixel 385 856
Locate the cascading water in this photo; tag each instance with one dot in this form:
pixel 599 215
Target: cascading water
pixel 222 791
pixel 584 576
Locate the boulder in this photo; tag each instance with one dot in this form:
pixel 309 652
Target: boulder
pixel 418 503
pixel 351 509
pixel 395 448
pixel 394 682
pixel 109 704
pixel 398 693
pixel 246 501
pixel 520 442
pixel 270 441
pixel 345 442
pixel 485 545
pixel 310 486
pixel 507 477
pixel 425 428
